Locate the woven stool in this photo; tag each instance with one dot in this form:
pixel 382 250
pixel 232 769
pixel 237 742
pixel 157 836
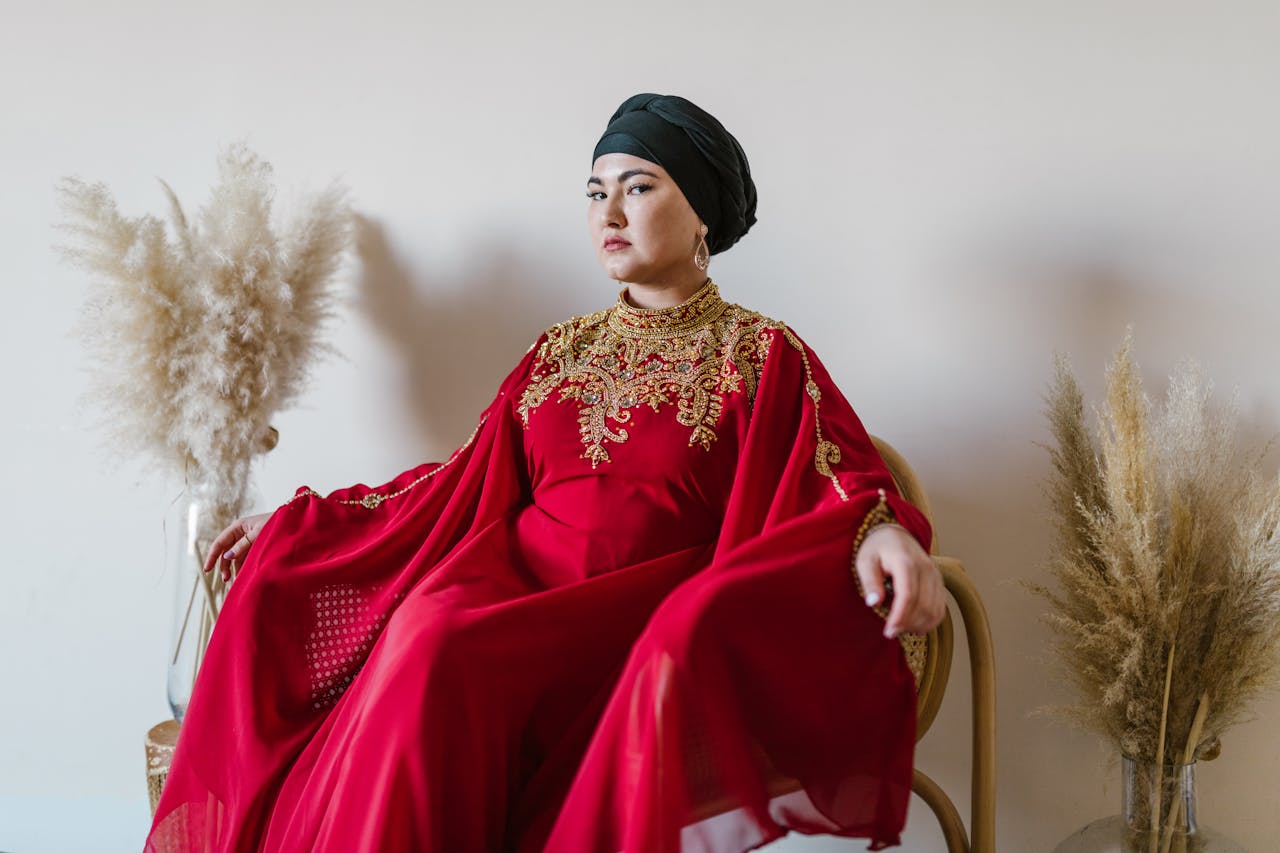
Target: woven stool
pixel 160 742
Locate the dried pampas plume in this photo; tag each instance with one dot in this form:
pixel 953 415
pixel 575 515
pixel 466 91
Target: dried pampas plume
pixel 1166 554
pixel 199 341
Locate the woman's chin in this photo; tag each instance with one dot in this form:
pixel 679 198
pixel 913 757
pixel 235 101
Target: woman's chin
pixel 620 269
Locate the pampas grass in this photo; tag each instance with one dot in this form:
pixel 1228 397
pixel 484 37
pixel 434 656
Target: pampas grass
pixel 1166 553
pixel 198 341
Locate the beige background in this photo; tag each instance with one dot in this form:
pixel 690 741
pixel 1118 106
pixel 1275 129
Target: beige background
pixel 948 193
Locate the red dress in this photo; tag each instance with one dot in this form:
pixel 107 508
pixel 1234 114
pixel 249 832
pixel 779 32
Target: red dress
pixel 605 623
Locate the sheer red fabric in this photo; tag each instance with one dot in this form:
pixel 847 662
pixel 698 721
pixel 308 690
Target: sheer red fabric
pixel 536 646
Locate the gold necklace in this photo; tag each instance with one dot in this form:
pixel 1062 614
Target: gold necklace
pixel 704 306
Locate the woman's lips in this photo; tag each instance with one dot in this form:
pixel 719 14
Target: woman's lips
pixel 615 245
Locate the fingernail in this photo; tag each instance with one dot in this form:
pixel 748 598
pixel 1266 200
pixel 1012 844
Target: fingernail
pixel 872 598
pixel 889 632
pixel 228 555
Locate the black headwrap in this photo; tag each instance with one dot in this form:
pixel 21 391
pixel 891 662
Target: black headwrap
pixel 703 158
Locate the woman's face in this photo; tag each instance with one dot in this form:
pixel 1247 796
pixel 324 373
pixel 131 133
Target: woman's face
pixel 634 200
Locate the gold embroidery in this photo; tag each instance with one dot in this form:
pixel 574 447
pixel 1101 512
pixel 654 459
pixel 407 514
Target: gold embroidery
pixel 611 361
pixel 375 499
pixel 881 513
pixel 914 646
pixel 827 453
pixel 699 309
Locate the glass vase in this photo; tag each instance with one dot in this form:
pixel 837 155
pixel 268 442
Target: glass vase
pixel 1178 826
pixel 191 525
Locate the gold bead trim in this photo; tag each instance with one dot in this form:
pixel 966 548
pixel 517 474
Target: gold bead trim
pixel 375 499
pixel 914 646
pixel 827 453
pixel 698 310
pixel 881 513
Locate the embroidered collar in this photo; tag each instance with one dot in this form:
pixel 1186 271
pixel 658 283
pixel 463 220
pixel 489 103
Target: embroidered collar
pixel 695 312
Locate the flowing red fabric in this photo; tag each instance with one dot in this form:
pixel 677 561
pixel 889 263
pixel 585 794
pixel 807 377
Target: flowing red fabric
pixel 520 649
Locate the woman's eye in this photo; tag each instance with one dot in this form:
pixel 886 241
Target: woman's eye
pixel 643 187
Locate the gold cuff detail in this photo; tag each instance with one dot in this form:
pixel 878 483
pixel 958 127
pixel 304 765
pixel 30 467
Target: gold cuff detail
pixel 881 513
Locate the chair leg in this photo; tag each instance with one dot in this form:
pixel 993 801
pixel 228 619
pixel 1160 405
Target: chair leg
pixel 945 810
pixel 983 673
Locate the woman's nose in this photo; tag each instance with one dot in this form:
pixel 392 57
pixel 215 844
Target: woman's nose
pixel 611 211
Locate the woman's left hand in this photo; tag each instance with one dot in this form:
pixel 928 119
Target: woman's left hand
pixel 919 595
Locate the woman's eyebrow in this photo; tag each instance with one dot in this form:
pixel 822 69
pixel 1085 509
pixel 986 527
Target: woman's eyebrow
pixel 622 177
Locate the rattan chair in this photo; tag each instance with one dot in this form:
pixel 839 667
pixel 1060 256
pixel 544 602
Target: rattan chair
pixel 930 659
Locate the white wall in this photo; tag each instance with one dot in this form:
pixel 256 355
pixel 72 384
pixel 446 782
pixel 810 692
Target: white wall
pixel 948 193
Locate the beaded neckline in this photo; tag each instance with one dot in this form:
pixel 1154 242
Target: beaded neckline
pixel 699 309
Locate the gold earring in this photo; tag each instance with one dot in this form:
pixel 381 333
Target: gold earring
pixel 702 255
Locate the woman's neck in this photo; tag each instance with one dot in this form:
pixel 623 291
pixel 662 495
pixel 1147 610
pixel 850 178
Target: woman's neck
pixel 663 294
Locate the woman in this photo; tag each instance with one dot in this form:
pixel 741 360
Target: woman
pixel 629 601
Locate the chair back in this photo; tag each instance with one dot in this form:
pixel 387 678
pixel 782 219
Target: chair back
pixel 928 655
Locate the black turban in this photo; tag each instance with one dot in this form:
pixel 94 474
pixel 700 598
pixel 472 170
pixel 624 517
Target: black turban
pixel 703 158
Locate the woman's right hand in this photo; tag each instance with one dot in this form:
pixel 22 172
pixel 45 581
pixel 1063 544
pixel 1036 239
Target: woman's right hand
pixel 229 549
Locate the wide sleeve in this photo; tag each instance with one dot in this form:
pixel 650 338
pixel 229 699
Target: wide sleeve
pixel 314 594
pixel 820 693
pixel 413 519
pixel 370 497
pixel 806 453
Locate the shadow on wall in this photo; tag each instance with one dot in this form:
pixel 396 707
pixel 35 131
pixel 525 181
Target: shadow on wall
pixel 456 342
pixel 985 477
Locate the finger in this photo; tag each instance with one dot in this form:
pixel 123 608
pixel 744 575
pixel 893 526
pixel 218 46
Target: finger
pixel 933 605
pixel 238 549
pixel 219 545
pixel 235 556
pixel 905 599
pixel 867 566
pixel 939 605
pixel 215 551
